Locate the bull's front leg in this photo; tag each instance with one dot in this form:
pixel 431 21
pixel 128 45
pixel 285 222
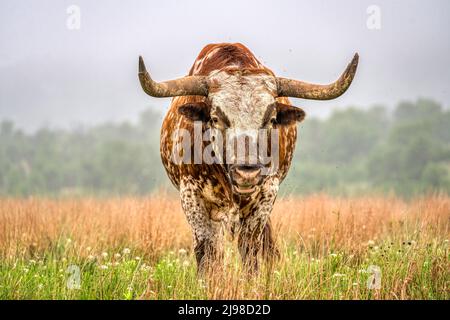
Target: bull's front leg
pixel 269 246
pixel 256 230
pixel 207 233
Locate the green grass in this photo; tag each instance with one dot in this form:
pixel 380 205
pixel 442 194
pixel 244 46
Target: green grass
pixel 408 270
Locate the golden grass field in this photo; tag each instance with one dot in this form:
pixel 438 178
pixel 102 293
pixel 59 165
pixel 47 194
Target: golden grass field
pixel 140 248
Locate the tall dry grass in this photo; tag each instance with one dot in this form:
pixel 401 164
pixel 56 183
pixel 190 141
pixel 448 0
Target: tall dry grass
pixel 319 223
pixel 312 228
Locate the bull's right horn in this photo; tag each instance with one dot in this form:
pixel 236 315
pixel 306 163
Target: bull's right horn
pixel 186 86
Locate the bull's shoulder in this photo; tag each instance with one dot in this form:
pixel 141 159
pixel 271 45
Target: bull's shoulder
pixel 208 188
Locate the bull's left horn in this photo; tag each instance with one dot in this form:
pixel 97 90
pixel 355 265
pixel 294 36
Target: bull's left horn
pixel 299 89
pixel 186 86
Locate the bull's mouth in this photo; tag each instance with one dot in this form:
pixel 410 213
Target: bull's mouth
pixel 245 178
pixel 244 189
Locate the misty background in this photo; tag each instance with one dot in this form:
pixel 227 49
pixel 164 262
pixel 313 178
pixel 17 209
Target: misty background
pixel 74 119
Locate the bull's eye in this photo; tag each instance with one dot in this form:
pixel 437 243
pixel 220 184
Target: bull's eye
pixel 215 120
pixel 273 120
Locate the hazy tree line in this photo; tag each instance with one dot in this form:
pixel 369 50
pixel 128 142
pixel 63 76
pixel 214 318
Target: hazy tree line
pixel 354 151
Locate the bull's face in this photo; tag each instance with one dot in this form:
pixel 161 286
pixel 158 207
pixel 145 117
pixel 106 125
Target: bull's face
pixel 238 105
pixel 241 111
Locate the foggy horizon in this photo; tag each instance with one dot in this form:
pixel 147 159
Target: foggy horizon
pixel 53 76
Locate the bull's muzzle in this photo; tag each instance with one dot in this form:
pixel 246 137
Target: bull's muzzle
pixel 245 178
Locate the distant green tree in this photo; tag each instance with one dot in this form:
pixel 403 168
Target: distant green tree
pixel 415 151
pixel 353 151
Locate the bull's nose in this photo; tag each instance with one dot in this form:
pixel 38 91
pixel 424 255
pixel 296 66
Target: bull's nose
pixel 245 178
pixel 248 173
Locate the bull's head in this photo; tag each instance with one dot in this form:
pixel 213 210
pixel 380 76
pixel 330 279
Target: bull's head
pixel 245 102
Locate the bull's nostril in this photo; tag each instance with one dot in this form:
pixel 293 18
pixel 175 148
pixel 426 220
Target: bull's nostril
pixel 248 172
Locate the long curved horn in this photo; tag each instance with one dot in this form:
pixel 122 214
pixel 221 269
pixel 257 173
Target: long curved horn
pixel 186 86
pixel 299 89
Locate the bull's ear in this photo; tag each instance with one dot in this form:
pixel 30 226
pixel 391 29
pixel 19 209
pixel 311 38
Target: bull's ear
pixel 289 114
pixel 195 111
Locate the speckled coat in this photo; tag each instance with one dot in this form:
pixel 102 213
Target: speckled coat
pixel 207 198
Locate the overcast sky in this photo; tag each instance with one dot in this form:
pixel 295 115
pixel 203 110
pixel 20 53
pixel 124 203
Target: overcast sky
pixel 50 75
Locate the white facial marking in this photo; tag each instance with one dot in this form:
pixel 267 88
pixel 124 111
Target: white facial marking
pixel 242 98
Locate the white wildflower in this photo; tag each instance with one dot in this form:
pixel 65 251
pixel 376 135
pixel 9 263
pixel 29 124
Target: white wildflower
pixel 362 271
pixel 339 275
pixel 145 267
